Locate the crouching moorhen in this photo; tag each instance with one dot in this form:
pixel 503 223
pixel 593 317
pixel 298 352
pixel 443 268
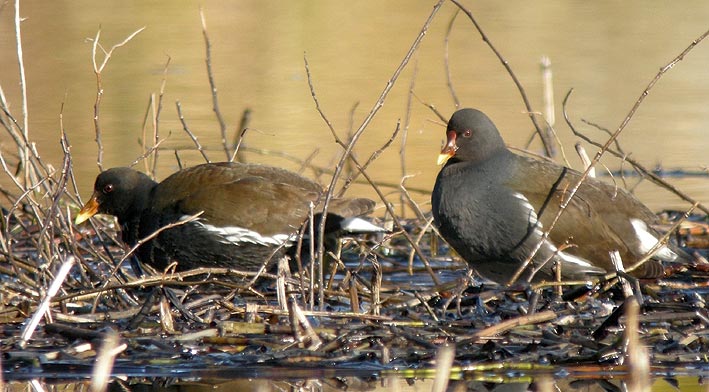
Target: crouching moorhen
pixel 493 206
pixel 247 212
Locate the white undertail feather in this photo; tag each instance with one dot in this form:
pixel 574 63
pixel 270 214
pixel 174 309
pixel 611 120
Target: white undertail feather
pixel 359 225
pixel 648 241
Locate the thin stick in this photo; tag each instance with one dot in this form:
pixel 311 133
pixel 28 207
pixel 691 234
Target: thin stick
pixel 99 86
pixel 144 240
pixel 662 241
pixel 404 134
pixel 506 325
pixel 24 152
pixel 213 85
pixel 446 62
pixel 369 161
pixel 105 358
pixel 444 362
pixel 187 130
pixel 241 132
pixel 156 117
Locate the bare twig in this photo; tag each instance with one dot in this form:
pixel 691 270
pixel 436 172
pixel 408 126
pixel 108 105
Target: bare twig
pixel 435 111
pixel 636 355
pixel 548 99
pixel 105 358
pixel 213 85
pixel 369 161
pixel 98 69
pixel 506 325
pixel 444 362
pixel 404 134
pixel 191 135
pixel 593 124
pixel 240 132
pixel 24 152
pixel 156 117
pixel 446 62
pixel 390 210
pixel 662 241
pixel 144 240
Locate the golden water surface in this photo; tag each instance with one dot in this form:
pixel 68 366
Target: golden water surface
pixel 606 51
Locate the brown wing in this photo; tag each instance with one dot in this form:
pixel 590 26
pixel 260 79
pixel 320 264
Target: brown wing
pixel 597 218
pixel 261 198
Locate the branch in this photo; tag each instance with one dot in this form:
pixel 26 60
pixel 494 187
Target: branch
pixel 212 84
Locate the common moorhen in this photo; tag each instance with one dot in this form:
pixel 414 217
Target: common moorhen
pixel 247 212
pixel 493 206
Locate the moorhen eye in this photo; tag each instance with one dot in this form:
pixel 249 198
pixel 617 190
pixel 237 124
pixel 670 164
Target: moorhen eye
pixel 494 206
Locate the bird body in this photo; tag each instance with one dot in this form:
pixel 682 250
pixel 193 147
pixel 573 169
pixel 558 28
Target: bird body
pixel 493 207
pixel 242 214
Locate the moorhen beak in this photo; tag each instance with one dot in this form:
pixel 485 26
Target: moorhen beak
pixel 493 207
pixel 87 211
pixel 247 211
pixel 448 149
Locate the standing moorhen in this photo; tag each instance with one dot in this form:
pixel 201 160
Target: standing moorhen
pixel 247 212
pixel 493 206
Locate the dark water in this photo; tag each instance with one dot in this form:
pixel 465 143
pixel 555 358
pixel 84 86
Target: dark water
pixel 359 380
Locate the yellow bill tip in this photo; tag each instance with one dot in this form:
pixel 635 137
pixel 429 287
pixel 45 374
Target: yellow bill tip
pixel 87 211
pixel 443 158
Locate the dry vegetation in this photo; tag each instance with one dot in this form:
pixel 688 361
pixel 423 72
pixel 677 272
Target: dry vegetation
pixel 391 305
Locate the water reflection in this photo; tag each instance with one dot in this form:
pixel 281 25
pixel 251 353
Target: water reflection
pixel 353 383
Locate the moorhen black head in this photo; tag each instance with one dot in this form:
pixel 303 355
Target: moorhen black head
pixel 493 206
pixel 247 211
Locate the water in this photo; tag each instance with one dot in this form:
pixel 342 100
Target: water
pixel 607 52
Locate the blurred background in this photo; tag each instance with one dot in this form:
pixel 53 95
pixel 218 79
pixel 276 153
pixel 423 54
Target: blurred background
pixel 606 51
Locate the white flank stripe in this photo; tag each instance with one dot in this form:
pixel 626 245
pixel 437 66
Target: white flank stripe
pixel 648 241
pixel 236 235
pixel 531 213
pixel 534 220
